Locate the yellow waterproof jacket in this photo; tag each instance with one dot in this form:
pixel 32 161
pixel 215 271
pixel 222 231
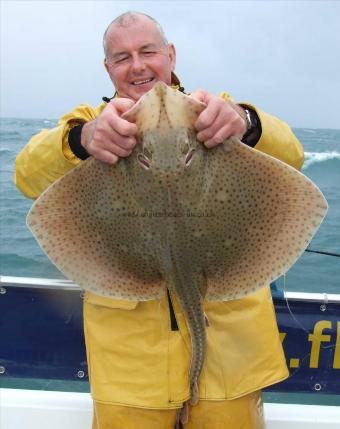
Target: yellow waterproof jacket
pixel 135 356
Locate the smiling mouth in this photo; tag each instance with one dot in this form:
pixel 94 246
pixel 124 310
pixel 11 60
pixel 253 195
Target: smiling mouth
pixel 142 81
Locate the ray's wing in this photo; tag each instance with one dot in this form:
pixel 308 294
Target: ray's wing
pixel 259 215
pixel 92 229
pixel 256 217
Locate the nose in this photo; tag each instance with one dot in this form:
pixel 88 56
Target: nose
pixel 138 64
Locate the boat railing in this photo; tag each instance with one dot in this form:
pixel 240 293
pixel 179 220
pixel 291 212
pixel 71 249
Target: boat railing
pixel 42 334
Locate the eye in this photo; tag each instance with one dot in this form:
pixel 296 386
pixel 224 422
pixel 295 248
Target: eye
pixel 143 161
pixel 189 157
pixel 121 59
pixel 148 53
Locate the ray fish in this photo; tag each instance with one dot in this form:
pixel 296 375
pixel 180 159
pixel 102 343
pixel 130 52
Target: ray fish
pixel 214 224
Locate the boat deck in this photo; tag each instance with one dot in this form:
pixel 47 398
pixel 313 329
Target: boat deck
pixel 55 410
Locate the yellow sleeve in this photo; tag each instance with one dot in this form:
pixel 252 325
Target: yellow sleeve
pixel 277 139
pixel 47 155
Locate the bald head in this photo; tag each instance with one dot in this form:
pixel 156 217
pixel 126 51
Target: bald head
pixel 127 19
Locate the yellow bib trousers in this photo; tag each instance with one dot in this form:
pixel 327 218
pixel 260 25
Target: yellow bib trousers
pixel 139 366
pixel 242 413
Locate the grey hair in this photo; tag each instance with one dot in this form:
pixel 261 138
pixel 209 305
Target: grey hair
pixel 126 19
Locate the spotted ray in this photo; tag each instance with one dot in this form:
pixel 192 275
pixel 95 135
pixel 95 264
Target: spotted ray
pixel 216 224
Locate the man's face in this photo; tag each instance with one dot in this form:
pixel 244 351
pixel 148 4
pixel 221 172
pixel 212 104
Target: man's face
pixel 137 58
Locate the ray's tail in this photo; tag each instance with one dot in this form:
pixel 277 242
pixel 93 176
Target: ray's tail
pixel 188 291
pixel 190 300
pixel 193 311
pixel 189 286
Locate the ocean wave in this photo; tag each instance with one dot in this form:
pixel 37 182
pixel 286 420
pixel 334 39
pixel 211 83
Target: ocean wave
pixel 5 149
pixel 316 157
pixel 13 264
pixel 309 130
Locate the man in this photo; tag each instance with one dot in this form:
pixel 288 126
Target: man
pixel 139 352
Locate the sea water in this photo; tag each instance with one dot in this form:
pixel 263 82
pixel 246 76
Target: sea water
pixel 20 255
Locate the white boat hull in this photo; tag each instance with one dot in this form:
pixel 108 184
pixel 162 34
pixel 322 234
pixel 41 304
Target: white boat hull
pixel 36 409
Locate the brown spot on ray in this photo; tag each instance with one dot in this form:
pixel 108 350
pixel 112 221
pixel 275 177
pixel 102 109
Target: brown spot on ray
pixel 218 223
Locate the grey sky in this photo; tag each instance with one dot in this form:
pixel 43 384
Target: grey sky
pixel 283 56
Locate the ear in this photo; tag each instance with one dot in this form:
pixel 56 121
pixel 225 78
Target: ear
pixel 106 65
pixel 172 55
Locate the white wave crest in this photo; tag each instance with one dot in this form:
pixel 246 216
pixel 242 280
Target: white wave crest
pixel 314 157
pixel 308 130
pixel 4 149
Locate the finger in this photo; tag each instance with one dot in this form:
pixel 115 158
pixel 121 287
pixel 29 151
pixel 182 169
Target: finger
pixel 208 116
pixel 107 139
pixel 219 122
pixel 102 152
pixel 119 151
pixel 200 95
pixel 126 143
pixel 122 105
pixel 107 157
pixel 116 144
pixel 222 135
pixel 227 116
pixel 120 125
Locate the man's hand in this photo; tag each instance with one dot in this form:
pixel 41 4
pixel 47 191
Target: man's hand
pixel 109 137
pixel 219 120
